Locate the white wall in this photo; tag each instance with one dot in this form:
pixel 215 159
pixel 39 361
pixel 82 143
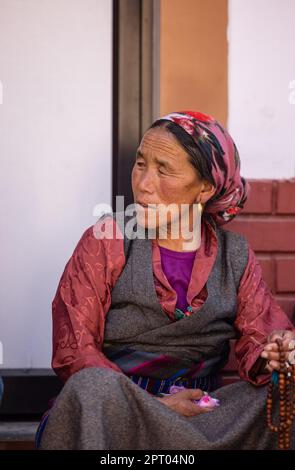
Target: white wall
pixel 261 66
pixel 55 154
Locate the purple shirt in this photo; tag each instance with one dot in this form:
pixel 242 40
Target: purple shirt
pixel 177 267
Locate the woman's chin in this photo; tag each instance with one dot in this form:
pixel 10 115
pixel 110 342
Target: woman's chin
pixel 146 222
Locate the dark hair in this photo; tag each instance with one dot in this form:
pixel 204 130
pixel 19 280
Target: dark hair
pixel 198 159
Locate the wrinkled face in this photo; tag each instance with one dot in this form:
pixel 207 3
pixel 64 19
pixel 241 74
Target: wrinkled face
pixel 162 174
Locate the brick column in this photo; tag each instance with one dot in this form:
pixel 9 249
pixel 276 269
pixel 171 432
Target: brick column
pixel 268 223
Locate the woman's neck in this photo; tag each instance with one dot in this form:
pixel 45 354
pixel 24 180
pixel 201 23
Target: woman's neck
pixel 178 240
pixel 178 245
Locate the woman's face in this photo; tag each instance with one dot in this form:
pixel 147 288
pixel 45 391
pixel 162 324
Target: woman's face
pixel 162 174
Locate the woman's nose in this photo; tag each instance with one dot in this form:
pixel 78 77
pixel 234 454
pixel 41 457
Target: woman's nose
pixel 146 181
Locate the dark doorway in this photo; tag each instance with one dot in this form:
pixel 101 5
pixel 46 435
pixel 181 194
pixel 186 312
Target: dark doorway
pixel 132 87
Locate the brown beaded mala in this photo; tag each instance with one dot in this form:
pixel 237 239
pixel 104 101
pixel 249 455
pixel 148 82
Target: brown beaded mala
pixel 285 379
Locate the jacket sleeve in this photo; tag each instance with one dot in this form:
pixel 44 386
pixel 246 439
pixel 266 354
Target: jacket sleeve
pixel 258 315
pixel 81 302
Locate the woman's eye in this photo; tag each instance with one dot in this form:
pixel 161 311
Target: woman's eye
pixel 140 164
pixel 161 172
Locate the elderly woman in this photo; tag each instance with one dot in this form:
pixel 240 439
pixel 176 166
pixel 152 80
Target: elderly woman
pixel 133 316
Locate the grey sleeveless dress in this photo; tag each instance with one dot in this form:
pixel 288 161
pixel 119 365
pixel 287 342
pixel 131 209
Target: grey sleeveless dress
pixel 103 409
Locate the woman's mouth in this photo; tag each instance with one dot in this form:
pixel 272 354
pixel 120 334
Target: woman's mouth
pixel 145 205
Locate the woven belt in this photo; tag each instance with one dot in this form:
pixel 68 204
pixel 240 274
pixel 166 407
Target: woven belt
pixel 157 386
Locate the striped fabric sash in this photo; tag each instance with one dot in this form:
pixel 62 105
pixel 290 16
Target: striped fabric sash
pixel 207 383
pixel 159 366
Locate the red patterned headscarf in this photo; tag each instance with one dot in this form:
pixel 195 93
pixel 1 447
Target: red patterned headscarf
pixel 215 144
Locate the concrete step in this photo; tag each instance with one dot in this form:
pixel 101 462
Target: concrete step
pixel 17 434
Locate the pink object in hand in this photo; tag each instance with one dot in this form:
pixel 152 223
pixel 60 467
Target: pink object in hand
pixel 205 401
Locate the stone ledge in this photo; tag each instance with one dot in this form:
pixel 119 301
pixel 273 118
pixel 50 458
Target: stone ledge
pixel 23 431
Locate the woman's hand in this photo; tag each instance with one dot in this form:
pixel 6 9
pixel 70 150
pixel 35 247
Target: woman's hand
pixel 270 351
pixel 181 402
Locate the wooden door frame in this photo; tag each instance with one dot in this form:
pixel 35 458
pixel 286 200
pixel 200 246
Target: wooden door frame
pixel 133 86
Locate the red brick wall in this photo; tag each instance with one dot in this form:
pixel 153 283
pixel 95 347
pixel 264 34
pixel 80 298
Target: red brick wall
pixel 268 223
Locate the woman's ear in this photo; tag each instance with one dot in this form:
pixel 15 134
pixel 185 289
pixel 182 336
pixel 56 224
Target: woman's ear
pixel 207 191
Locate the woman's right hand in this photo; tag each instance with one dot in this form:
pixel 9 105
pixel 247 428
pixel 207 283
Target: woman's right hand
pixel 182 403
